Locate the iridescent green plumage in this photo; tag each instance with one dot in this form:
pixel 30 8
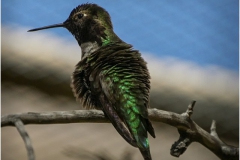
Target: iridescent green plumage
pixel 111 76
pixel 116 75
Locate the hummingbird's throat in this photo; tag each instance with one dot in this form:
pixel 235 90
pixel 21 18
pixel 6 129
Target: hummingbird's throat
pixel 88 48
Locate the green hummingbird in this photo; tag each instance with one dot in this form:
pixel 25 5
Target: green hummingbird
pixel 111 75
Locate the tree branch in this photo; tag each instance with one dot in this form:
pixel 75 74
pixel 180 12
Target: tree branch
pixel 189 131
pixel 21 129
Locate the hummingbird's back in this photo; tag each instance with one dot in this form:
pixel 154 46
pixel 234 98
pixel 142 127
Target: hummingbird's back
pixel 122 68
pixel 117 76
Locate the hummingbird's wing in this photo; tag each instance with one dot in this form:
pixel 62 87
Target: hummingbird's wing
pixel 117 122
pixel 125 106
pixel 124 103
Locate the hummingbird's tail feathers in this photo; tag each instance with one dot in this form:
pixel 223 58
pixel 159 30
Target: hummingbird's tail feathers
pixel 146 154
pixel 117 122
pixel 141 137
pixel 140 133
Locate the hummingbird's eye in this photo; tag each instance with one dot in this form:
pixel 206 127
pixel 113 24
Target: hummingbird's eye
pixel 80 16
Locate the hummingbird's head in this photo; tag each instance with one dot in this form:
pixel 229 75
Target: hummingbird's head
pixel 88 23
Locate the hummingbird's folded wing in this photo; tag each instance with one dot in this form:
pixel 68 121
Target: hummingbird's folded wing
pixel 116 121
pixel 126 111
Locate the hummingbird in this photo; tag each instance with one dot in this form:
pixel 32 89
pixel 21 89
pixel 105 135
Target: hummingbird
pixel 111 76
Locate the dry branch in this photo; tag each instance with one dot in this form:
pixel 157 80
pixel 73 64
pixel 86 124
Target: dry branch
pixel 189 131
pixel 21 129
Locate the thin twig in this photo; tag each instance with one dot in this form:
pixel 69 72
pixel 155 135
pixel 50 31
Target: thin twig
pixel 21 129
pixel 213 131
pixel 228 150
pixel 189 110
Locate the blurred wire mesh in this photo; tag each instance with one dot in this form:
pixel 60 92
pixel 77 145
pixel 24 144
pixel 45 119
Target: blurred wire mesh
pixel 36 70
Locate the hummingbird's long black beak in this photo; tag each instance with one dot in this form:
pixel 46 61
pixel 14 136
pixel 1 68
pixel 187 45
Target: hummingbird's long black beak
pixel 47 27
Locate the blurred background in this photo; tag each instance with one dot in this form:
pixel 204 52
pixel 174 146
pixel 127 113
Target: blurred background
pixel 192 52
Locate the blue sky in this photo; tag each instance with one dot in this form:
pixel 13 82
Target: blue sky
pixel 203 31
